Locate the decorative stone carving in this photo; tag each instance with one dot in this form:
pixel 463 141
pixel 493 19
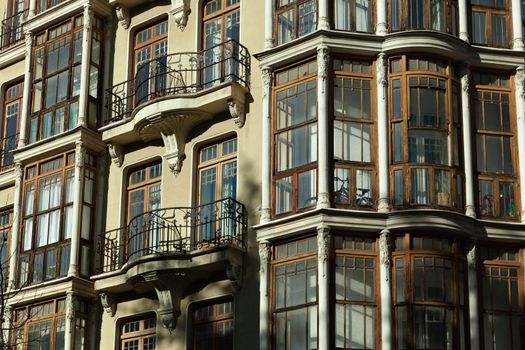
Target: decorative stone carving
pixel 472 255
pixel 80 154
pixel 234 274
pixel 28 37
pixel 70 306
pixel 237 112
pixel 382 28
pixel 266 215
pixel 169 307
pixel 115 152
pixel 323 60
pixel 517 43
pixel 385 250
pixel 267 77
pixel 323 23
pixel 520 81
pixel 383 205
pixel 123 16
pixel 265 254
pixel 465 77
pixel 19 174
pixel 180 9
pixel 382 70
pixel 464 36
pixel 323 246
pixel 108 303
pixel 268 43
pixel 323 200
pixel 88 16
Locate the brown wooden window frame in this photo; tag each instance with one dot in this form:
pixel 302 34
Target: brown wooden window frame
pixel 502 86
pixel 13 97
pixel 433 193
pixel 362 250
pixel 401 10
pixel 284 6
pixel 141 334
pixel 500 262
pixel 404 258
pixel 6 221
pixel 216 319
pixel 490 12
pixel 285 257
pixel 290 81
pixel 351 24
pixel 346 194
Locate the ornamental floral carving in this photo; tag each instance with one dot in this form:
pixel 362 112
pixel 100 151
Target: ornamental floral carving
pixel 465 78
pixel 266 81
pixel 382 69
pixel 323 246
pixel 472 255
pixel 123 16
pixel 323 61
pixel 520 81
pixel 265 253
pixel 385 249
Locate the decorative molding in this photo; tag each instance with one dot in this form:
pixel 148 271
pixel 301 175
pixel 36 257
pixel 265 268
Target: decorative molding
pixel 323 23
pixel 108 303
pixel 472 255
pixel 180 9
pixel 520 81
pixel 465 77
pixel 123 16
pixel 267 77
pixel 266 215
pixel 71 302
pixel 517 44
pixel 19 175
pixel 265 255
pixel 385 250
pixel 382 70
pixel 323 61
pixel 116 154
pixel 383 205
pixel 382 28
pixel 234 274
pixel 237 112
pixel 28 37
pixel 169 307
pixel 323 247
pixel 80 154
pixel 470 211
pixel 323 200
pixel 269 43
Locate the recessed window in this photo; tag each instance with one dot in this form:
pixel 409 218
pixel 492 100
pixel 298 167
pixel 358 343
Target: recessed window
pixel 213 326
pixel 139 334
pixel 294 19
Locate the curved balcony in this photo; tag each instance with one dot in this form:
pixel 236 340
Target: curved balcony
pixel 171 94
pixel 12 33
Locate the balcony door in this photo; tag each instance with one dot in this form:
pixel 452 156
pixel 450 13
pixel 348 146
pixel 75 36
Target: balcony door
pixel 12 110
pixel 218 191
pixel 150 65
pixel 221 35
pixel 144 198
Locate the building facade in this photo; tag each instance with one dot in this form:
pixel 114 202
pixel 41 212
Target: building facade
pixel 290 174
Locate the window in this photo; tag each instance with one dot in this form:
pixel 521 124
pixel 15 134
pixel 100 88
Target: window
pixel 490 22
pixel 354 15
pixel 356 314
pixel 56 78
pixel 42 5
pixel 213 326
pixel 294 19
pixel 218 191
pixel 295 138
pixel 11 31
pixel 425 134
pixel 150 68
pixel 144 198
pixel 295 295
pixel 6 220
pixel 429 293
pixel 221 40
pixel 502 301
pixel 47 218
pixel 139 334
pixel 12 110
pixel 495 145
pixel 354 172
pixel 42 326
pixel 437 15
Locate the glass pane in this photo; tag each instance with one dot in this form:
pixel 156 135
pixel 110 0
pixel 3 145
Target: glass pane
pixel 283 195
pixel 419 186
pixel 307 189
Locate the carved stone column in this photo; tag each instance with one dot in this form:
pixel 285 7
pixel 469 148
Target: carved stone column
pixel 15 228
pixel 383 204
pixel 323 147
pixel 324 21
pixel 473 297
pixel 265 253
pixel 80 155
pixel 266 183
pixel 463 20
pixel 86 63
pixel 470 208
pixel 382 26
pixel 517 42
pixel 268 24
pixel 71 301
pixel 520 114
pixel 323 281
pixel 385 268
pixel 26 99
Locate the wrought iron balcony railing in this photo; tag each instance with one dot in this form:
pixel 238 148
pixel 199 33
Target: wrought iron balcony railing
pixel 174 231
pixel 177 74
pixel 12 30
pixel 7 146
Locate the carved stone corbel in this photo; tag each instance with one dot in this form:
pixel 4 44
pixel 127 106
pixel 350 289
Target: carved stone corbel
pixel 237 112
pixel 234 274
pixel 115 152
pixel 123 16
pixel 169 307
pixel 108 303
pixel 174 151
pixel 180 9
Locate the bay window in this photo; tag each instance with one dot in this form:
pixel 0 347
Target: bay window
pixel 425 134
pixel 354 130
pixel 294 19
pixel 502 301
pixel 353 15
pixel 429 293
pixel 294 282
pixel 495 145
pixel 356 311
pixel 57 68
pixel 295 139
pixel 490 22
pixel 439 15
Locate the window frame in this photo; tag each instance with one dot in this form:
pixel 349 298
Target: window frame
pixel 8 144
pixel 353 16
pixel 5 245
pixel 489 12
pixel 451 25
pixel 215 319
pixel 292 5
